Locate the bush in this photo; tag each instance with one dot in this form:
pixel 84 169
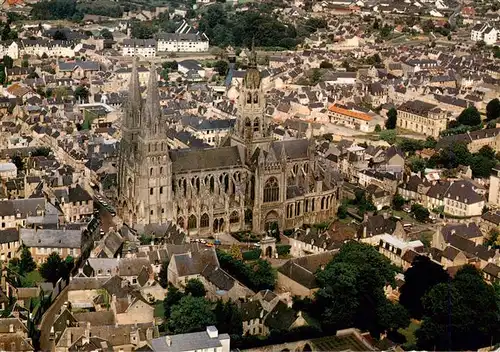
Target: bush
pixel 283 249
pixel 288 232
pixel 253 254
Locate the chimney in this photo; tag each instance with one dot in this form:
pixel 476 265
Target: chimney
pixel 212 332
pixel 168 340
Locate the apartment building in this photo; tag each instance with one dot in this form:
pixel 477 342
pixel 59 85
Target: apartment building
pixel 182 42
pixel 139 47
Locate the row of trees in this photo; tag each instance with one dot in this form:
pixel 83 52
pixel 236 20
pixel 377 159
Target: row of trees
pixel 54 268
pixel 71 10
pixel 240 29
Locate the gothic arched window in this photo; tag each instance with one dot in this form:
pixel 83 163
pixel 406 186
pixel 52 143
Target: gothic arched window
pixel 249 98
pixel 271 190
pixel 192 222
pixel 234 217
pixel 204 221
pixel 255 98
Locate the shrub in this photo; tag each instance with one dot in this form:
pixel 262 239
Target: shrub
pixel 253 254
pixel 283 249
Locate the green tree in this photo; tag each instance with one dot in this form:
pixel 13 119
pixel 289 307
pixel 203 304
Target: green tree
pixel 228 318
pixel 482 166
pixel 25 63
pixel 417 164
pixel 422 276
pixel 163 274
pixel 315 76
pixel 164 75
pixel 493 109
pixel 469 117
pixel 8 62
pixel 3 77
pixel 351 291
pixel 263 275
pixel 325 64
pixel 342 211
pixel 18 161
pixel 81 93
pixel 142 30
pixel 170 65
pixel 195 288
pixel 26 264
pixel 174 295
pixel 51 269
pixel 221 67
pixel 430 142
pixel 397 202
pixel 392 118
pixel 106 34
pixel 421 213
pixel 460 315
pixel 41 151
pixel 191 314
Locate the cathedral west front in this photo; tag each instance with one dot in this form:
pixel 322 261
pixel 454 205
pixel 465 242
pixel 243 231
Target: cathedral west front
pixel 248 183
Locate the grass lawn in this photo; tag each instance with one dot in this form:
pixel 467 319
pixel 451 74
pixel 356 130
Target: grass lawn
pixel 159 311
pixel 31 279
pixel 409 334
pixel 404 216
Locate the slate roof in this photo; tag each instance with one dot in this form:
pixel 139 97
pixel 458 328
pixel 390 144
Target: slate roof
pixel 463 192
pixel 185 160
pixel 78 194
pixel 493 217
pixel 51 238
pixel 294 148
pixel 189 342
pixel 193 263
pixel 250 310
pixel 302 270
pixel 281 317
pixel 468 231
pixel 9 235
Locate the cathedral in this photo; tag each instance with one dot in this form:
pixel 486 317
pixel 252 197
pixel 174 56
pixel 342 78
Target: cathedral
pixel 248 183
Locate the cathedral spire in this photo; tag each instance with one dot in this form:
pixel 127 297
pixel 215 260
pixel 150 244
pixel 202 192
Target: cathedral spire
pixel 133 107
pixel 152 111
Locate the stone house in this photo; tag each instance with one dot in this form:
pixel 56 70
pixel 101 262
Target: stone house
pixel 297 275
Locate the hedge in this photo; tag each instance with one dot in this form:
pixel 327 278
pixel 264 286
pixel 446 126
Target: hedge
pixel 283 249
pixel 253 254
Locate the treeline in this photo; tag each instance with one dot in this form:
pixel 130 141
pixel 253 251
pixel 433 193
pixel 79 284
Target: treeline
pixel 239 29
pixel 71 10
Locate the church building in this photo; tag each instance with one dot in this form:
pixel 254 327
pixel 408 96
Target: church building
pixel 248 183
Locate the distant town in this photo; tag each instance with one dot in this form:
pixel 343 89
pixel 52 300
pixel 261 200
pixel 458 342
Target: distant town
pixel 234 175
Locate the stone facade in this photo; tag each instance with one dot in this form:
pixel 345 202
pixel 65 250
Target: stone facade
pixel 249 182
pixel 422 117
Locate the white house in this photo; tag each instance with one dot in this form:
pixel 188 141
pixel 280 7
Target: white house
pixel 11 50
pixel 484 32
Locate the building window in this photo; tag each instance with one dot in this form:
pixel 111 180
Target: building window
pixel 204 221
pixel 234 218
pixel 161 190
pixel 271 190
pixel 192 222
pixel 151 191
